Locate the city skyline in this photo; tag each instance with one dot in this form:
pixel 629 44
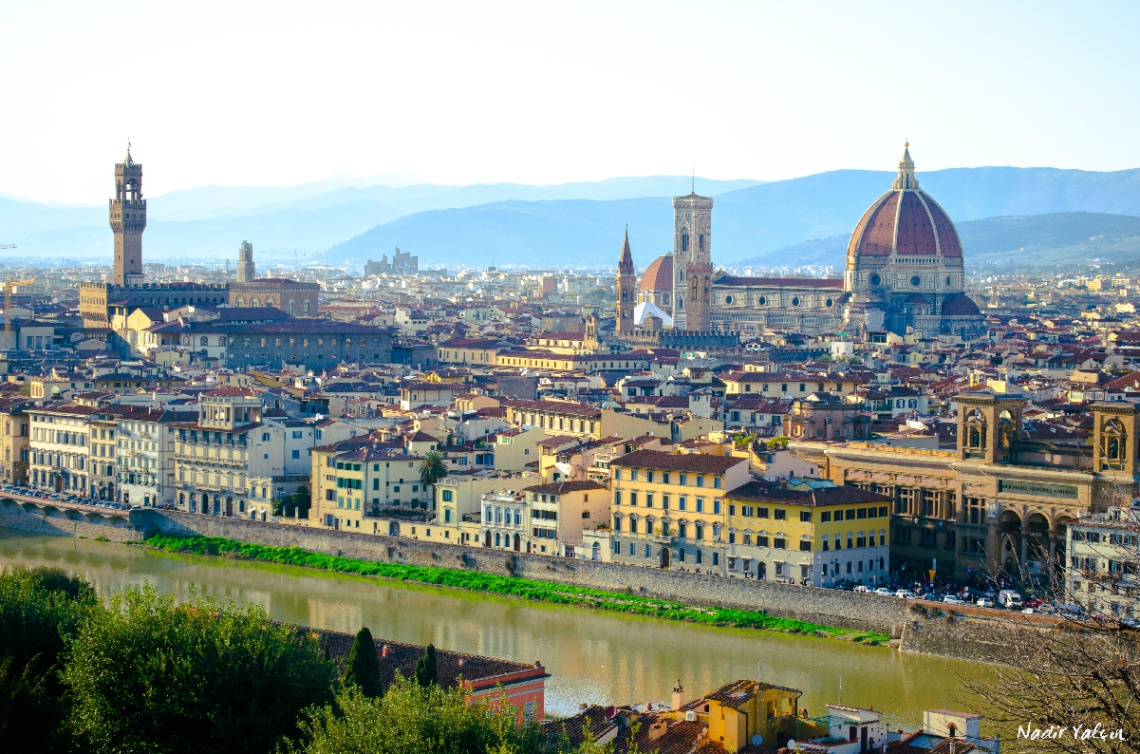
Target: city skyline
pixel 269 95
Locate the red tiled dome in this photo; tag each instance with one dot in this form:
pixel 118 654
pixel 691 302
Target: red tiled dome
pixel 658 277
pixel 960 305
pixel 905 220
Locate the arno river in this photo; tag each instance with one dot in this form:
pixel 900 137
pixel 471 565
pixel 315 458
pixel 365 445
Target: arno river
pixel 592 656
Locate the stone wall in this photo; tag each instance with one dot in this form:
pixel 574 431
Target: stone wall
pixel 968 632
pixel 825 606
pixel 929 628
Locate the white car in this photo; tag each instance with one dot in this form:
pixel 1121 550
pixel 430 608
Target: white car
pixel 983 602
pixel 884 592
pixel 905 594
pixel 863 589
pixel 950 599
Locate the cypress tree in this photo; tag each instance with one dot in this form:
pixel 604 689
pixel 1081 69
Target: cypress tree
pixel 425 673
pixel 362 668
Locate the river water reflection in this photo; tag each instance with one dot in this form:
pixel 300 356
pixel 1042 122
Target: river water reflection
pixel 592 656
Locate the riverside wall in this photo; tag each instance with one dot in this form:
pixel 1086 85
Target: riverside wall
pixel 928 628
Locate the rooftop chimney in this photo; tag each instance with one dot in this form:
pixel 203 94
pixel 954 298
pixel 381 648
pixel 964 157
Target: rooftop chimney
pixel 678 695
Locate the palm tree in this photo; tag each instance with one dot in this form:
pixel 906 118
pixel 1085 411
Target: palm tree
pixel 432 469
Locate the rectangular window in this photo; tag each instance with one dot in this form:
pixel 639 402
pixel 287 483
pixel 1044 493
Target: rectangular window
pixel 716 506
pixel 779 543
pixel 805 545
pixel 761 540
pixel 617 474
pixel 700 505
pixel 633 498
pixel 682 503
pixel 700 481
pixel 648 499
pixel 805 516
pixel 850 514
pixel 862 513
pixel 825 517
pixel 779 514
pixel 761 513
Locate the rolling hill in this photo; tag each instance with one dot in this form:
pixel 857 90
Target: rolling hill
pixel 754 225
pixel 1023 241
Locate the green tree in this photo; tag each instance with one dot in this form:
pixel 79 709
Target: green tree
pixel 432 469
pixel 362 668
pixel 427 672
pixel 410 720
pixel 41 610
pixel 154 676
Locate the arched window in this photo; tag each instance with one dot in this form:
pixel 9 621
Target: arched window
pixel 204 341
pixel 221 340
pixel 1114 445
pixel 975 432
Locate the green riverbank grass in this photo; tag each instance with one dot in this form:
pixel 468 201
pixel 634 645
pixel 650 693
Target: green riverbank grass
pixel 528 589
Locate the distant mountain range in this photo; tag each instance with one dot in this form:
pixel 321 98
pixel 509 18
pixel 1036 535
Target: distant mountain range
pixel 1017 242
pixel 297 222
pixel 1029 214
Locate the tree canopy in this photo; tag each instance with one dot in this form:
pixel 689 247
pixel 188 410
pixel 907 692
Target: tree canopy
pixel 152 675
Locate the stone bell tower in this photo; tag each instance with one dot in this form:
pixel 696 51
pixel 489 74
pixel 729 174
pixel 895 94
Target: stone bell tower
pixel 692 262
pixel 626 290
pixel 128 221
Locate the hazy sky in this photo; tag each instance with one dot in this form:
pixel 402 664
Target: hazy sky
pixel 251 93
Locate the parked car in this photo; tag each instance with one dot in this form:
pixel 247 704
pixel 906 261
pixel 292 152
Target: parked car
pixel 863 589
pixel 950 599
pixel 1010 599
pixel 984 602
pixel 905 594
pixel 884 591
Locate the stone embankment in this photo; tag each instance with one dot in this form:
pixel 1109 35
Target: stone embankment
pixel 929 628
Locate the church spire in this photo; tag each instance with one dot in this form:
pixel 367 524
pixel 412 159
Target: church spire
pixel 906 179
pixel 625 264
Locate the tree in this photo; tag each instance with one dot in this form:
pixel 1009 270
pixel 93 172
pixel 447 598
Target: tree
pixel 432 469
pixel 410 720
pixel 362 668
pixel 297 504
pixel 1085 669
pixel 427 673
pixel 151 675
pixel 41 611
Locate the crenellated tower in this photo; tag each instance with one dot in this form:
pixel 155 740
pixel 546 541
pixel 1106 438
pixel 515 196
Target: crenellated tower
pixel 626 290
pixel 692 262
pixel 128 221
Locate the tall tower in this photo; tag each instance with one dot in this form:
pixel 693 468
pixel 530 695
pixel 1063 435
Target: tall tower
pixel 128 221
pixel 626 290
pixel 246 270
pixel 692 262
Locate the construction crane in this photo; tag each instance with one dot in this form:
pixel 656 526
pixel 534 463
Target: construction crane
pixel 8 286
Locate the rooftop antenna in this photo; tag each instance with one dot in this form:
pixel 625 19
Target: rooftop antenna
pixel 694 179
